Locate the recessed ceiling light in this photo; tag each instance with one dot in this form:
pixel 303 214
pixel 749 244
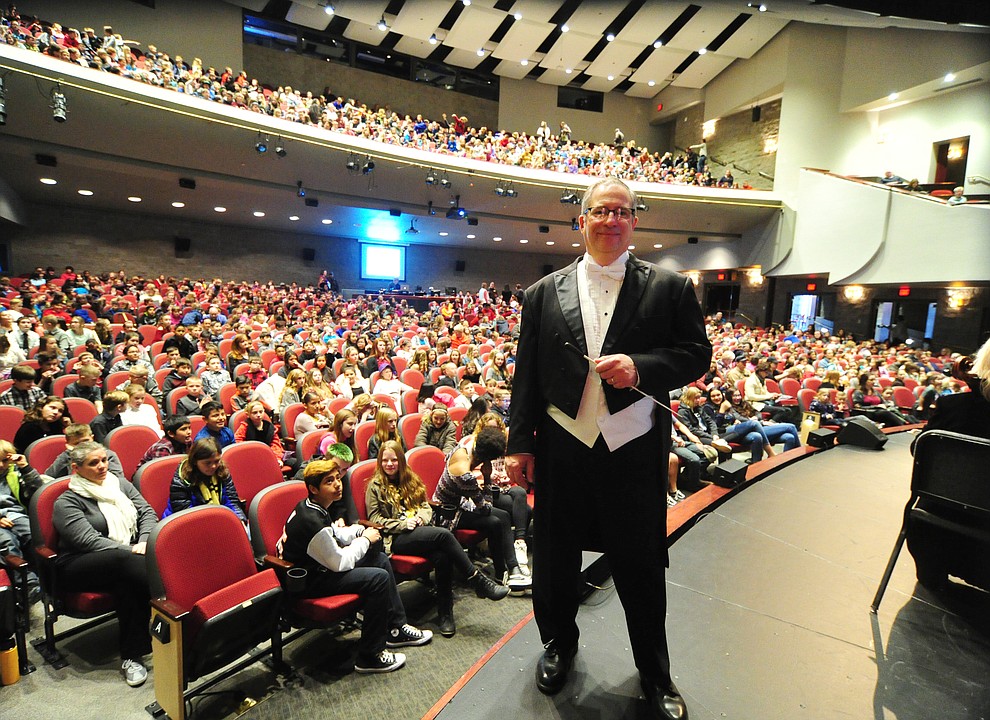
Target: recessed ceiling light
pixel 549 242
pixel 564 28
pixel 134 198
pixel 327 221
pixel 611 77
pixel 702 51
pixel 610 37
pixel 524 62
pixel 497 239
pixel 658 44
pixel 518 16
pixel 657 246
pixel 523 241
pixel 49 181
pixel 651 83
pixel 471 237
pixel 949 77
pixel 219 208
pixel 568 71
pixel 258 213
pixel 632 247
pixel 178 204
pixel 86 193
pixel 481 52
pixel 575 244
pixel 293 218
pixel 892 96
pixel 444 234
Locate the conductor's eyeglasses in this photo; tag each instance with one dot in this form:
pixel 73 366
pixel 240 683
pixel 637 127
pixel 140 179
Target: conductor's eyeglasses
pixel 602 213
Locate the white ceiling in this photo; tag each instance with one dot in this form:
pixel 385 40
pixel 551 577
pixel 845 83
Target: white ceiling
pixel 631 59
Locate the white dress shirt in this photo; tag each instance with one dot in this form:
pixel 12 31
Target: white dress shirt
pixel 598 290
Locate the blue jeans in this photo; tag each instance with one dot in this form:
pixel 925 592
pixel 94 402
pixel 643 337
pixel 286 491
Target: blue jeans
pixel 783 432
pixel 750 432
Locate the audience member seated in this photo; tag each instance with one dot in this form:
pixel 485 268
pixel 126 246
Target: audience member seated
pixel 176 440
pixel 48 417
pixel 113 404
pixel 396 500
pixel 464 497
pixel 867 402
pixel 23 393
pixel 762 399
pixel 505 495
pixel 103 525
pixel 195 399
pixel 203 479
pixel 260 428
pixel 775 432
pixel 957 196
pixel 349 560
pixel 138 412
pixel 388 384
pixel 18 481
pixel 386 428
pixel 87 386
pixel 312 417
pixel 216 425
pixel 438 430
pixel 735 427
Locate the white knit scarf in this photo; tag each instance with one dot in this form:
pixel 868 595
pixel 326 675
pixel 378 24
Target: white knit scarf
pixel 117 508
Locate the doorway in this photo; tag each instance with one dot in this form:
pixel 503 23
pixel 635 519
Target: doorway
pixel 950 160
pixel 904 321
pixel 722 298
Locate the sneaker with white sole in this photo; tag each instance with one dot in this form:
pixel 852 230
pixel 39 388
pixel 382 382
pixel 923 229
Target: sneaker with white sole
pixel 407 635
pixel 134 673
pixel 384 662
pixel 671 501
pixel 518 581
pixel 522 556
pixel 678 495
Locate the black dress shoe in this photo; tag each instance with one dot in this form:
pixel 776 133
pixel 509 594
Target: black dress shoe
pixel 665 703
pixel 553 667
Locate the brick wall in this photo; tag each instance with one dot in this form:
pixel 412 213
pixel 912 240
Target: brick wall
pixel 145 244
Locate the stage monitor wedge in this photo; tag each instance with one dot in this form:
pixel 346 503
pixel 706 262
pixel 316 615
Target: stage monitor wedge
pixel 861 432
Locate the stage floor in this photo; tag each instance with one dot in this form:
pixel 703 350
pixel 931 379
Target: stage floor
pixel 768 615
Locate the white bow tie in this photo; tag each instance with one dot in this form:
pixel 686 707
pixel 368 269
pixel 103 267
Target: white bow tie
pixel 597 272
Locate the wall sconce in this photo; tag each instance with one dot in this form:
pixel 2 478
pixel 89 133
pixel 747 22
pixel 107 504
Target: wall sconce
pixel 754 276
pixel 770 145
pixel 854 293
pixel 695 277
pixel 955 152
pixel 708 129
pixel 959 298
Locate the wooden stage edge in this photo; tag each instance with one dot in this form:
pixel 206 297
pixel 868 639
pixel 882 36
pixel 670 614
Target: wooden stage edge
pixel 680 518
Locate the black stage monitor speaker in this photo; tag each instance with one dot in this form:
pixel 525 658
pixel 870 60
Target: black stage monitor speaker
pixel 394 212
pixel 729 473
pixel 862 433
pixel 187 183
pixel 821 438
pixel 692 241
pixel 309 254
pixel 460 266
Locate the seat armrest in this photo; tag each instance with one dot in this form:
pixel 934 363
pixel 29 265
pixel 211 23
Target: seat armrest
pixel 15 562
pixel 46 553
pixel 276 563
pixel 167 607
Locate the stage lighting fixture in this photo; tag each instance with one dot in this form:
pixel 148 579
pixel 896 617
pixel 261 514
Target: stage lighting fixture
pixel 328 9
pixel 511 191
pixel 642 206
pixel 261 146
pixel 569 197
pixel 412 227
pixel 280 148
pixel 429 209
pixel 574 224
pixel 300 190
pixel 382 25
pixel 499 190
pixel 59 108
pixel 455 211
pixel 431 177
pixel 445 181
pixel 3 102
pixel 369 166
pixel 352 164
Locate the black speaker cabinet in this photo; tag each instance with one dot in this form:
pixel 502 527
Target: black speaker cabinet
pixel 862 433
pixel 309 254
pixel 821 438
pixel 729 473
pixel 183 246
pixel 460 266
